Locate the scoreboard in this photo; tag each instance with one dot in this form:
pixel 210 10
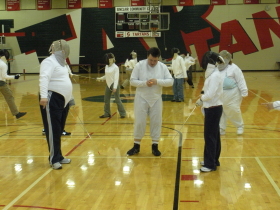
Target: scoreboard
pixel 138 21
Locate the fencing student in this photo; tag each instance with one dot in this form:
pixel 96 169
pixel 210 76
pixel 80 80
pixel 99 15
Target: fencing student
pixel 112 86
pixel 211 102
pixel 189 61
pixel 149 76
pixel 234 90
pixel 55 94
pixel 180 73
pixel 4 89
pixel 129 65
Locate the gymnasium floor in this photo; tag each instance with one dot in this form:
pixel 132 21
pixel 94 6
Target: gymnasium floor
pixel 102 177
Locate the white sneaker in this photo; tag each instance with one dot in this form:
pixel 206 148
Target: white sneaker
pixel 240 130
pixel 57 166
pixel 204 169
pixel 65 161
pixel 222 131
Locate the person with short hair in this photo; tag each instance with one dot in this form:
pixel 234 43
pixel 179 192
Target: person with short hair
pixel 190 62
pixel 55 94
pixel 4 88
pixel 129 66
pixel 179 70
pixel 112 86
pixel 149 76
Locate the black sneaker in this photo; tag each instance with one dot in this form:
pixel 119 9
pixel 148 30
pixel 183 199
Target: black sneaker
pixel 103 116
pixel 20 114
pixel 155 150
pixel 134 150
pixel 65 133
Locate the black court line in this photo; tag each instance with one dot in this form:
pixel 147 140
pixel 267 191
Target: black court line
pixel 178 171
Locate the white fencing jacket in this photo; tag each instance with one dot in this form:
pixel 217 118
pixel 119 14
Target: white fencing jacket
pixel 142 72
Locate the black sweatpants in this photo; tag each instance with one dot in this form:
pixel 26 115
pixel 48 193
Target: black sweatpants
pixel 212 147
pixel 54 118
pixel 189 74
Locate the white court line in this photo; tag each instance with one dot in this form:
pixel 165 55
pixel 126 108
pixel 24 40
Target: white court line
pixel 26 190
pixel 268 176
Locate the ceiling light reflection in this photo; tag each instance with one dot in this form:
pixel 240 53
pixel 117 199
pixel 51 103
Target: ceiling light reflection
pixel 84 168
pixel 195 161
pixel 198 183
pixel 70 183
pixel 90 158
pixel 196 171
pixel 117 183
pixel 29 161
pixel 18 167
pixel 126 169
pixel 247 186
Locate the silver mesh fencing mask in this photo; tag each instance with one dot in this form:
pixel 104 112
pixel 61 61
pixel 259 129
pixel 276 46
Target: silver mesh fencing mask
pixel 61 50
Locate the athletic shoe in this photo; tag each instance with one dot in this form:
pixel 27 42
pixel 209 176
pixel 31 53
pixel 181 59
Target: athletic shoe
pixel 155 150
pixel 103 116
pixel 134 150
pixel 222 131
pixel 65 161
pixel 173 100
pixel 202 163
pixel 204 169
pixel 240 130
pixel 57 166
pixel 20 114
pixel 65 133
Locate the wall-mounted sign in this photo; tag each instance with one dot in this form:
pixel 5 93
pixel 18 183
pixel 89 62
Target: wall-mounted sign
pixel 13 5
pixel 74 4
pixel 105 3
pixel 43 4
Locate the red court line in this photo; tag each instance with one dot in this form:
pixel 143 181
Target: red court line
pixel 109 118
pixel 78 145
pixel 37 207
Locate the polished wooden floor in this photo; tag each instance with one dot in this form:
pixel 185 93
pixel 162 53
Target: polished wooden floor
pixel 102 177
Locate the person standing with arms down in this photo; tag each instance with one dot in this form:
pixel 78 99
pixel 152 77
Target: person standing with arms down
pixel 211 102
pixel 149 76
pixel 234 90
pixel 129 65
pixel 189 61
pixel 112 80
pixel 4 89
pixel 179 70
pixel 55 94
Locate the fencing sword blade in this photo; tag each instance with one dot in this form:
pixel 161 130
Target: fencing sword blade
pixel 81 122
